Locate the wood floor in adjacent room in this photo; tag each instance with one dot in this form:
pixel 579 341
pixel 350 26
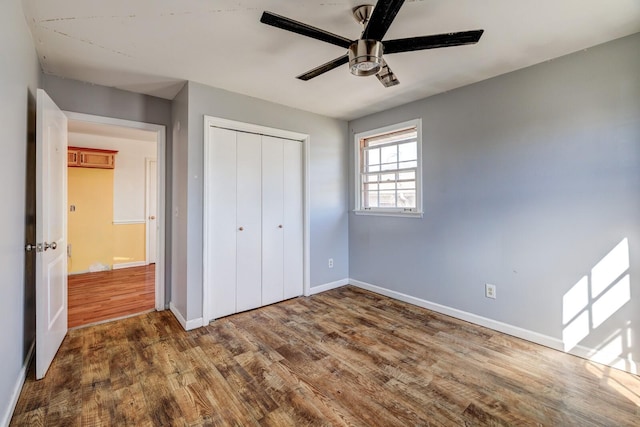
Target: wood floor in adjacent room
pixel 343 357
pixel 104 295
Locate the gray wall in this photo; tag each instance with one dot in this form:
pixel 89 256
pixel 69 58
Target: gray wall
pixel 328 182
pixel 81 97
pixel 530 179
pixel 180 119
pixel 19 79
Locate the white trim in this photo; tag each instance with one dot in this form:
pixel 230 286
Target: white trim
pixel 160 131
pixel 535 337
pixel 251 128
pixel 592 355
pixel 462 315
pixel 128 221
pixel 122 265
pixel 398 212
pixel 305 139
pixel 187 325
pixel 147 206
pixel 22 376
pixel 394 213
pixel 328 286
pixel 306 257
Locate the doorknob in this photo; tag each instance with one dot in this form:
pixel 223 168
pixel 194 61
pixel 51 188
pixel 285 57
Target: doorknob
pixel 152 217
pixel 241 228
pixel 40 247
pixel 52 245
pixel 280 226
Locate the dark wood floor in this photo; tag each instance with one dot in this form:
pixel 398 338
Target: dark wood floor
pixel 343 357
pixel 96 297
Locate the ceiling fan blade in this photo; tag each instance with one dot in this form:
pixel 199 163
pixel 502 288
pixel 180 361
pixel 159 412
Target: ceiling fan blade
pixel 383 15
pixel 432 42
pixel 324 68
pixel 386 76
pixel 304 29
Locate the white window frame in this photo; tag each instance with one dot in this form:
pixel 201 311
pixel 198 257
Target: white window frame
pixel 402 212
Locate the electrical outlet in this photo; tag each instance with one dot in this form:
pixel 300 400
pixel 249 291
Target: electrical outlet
pixel 330 262
pixel 490 291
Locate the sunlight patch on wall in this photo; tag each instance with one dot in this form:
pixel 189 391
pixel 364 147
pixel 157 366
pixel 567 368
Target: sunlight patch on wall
pixel 575 300
pixel 595 298
pixel 612 266
pixel 612 301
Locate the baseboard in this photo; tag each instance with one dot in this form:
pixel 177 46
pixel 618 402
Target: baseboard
pixel 535 337
pixel 616 362
pixel 22 376
pixel 128 265
pixel 186 324
pixel 328 286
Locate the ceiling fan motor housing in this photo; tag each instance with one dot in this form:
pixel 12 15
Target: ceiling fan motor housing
pixel 365 57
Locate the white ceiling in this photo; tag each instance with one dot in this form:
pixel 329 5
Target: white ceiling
pixel 153 46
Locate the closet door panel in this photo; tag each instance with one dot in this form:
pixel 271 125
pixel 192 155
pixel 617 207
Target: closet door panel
pixel 293 219
pixel 272 220
pixel 222 222
pixel 249 224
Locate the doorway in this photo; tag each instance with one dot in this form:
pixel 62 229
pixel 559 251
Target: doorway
pixel 115 219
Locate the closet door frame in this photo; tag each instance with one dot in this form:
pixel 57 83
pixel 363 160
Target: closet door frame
pixel 217 122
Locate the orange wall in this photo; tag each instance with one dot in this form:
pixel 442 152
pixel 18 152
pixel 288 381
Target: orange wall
pixel 96 243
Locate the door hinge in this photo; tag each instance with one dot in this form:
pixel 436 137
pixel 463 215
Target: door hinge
pixel 30 247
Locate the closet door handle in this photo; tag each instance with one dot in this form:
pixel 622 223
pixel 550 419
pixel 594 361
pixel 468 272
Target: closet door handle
pixel 241 228
pixel 280 226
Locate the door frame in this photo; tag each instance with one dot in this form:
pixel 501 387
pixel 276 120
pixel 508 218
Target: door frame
pixel 305 140
pixel 147 206
pixel 160 131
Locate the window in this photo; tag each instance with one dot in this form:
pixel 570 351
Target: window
pixel 388 170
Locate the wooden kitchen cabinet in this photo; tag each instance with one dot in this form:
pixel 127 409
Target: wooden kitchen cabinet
pixel 91 158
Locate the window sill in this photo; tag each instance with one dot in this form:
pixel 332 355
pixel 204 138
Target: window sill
pixel 389 213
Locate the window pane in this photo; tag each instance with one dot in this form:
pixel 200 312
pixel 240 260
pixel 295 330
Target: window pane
pixel 389 154
pixel 371 178
pixel 389 166
pixel 373 156
pixel 370 187
pixel 409 185
pixel 388 177
pixel 407 175
pixel 373 169
pixel 407 151
pixel 407 165
pixel 407 198
pixel 387 199
pixel 371 199
pixel 388 186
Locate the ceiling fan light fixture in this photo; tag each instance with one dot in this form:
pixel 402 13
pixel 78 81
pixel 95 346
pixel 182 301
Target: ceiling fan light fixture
pixel 365 57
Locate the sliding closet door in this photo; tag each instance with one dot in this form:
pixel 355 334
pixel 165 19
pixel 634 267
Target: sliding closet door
pixel 272 220
pixel 221 263
pixel 293 224
pixel 249 222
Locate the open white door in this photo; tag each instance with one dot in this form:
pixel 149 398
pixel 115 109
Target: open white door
pixel 51 231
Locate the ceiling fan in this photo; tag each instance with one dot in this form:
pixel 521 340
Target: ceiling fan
pixel 364 55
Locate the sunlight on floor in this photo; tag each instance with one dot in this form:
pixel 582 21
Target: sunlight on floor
pixel 625 390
